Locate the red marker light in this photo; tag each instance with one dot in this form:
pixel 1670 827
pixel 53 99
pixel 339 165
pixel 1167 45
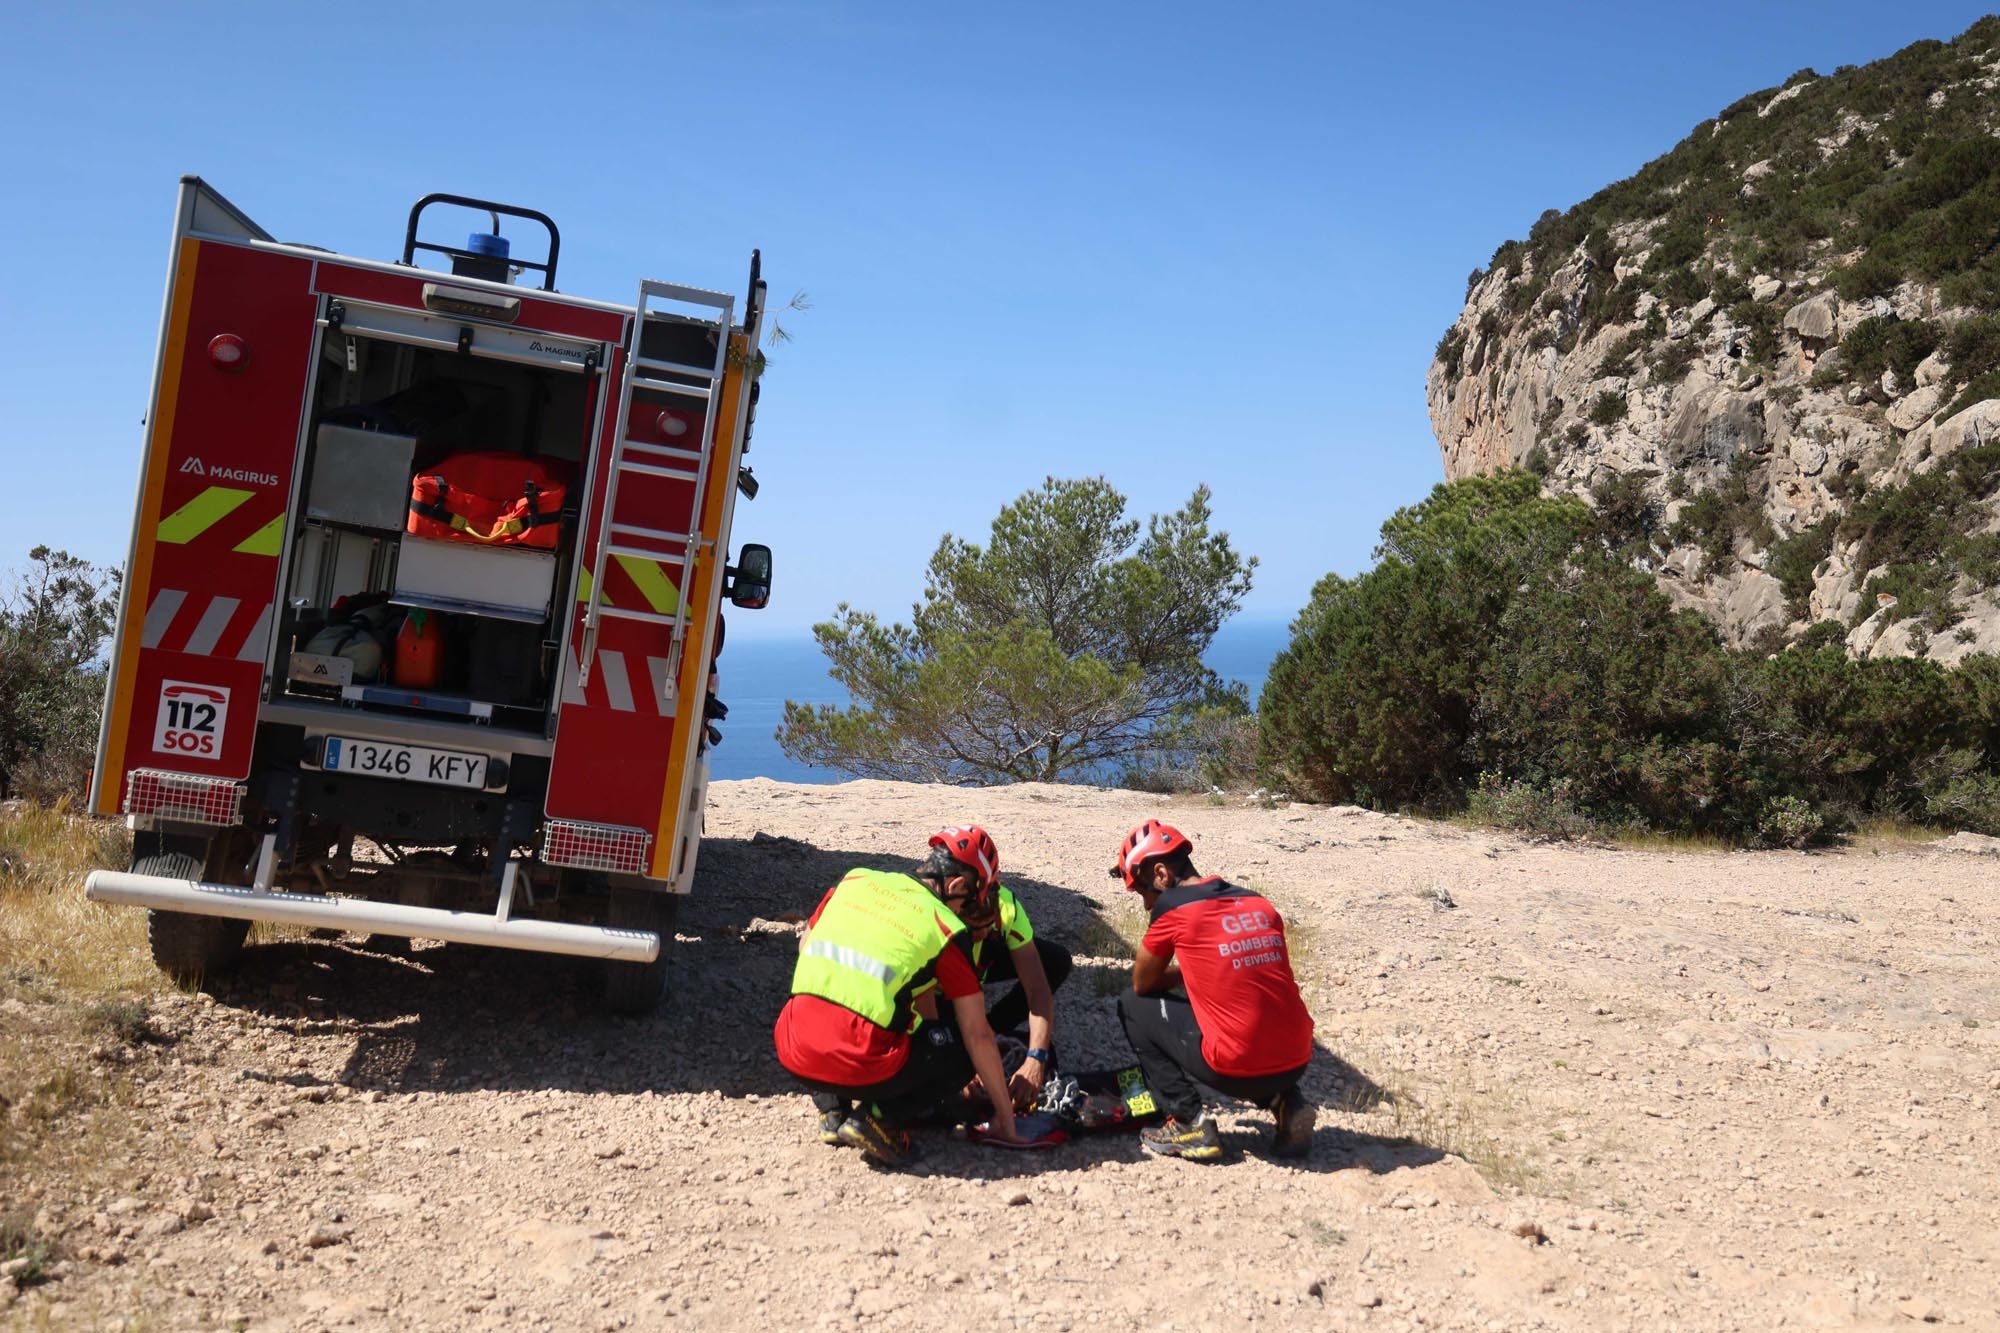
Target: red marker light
pixel 226 351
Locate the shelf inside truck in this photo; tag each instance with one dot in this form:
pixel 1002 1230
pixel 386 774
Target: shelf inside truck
pixel 430 701
pixel 463 607
pixel 510 582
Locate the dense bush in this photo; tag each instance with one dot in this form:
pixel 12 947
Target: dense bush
pixel 53 625
pixel 1887 343
pixel 1504 657
pixel 1794 560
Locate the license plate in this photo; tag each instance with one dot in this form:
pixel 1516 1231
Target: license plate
pixel 410 763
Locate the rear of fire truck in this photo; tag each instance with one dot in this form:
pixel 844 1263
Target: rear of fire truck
pixel 423 597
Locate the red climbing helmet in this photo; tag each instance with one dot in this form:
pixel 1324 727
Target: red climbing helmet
pixel 1152 838
pixel 971 848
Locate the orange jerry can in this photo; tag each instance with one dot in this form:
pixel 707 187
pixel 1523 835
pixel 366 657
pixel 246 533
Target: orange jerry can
pixel 420 651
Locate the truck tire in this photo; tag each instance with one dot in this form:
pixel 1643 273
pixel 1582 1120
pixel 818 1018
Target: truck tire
pixel 190 949
pixel 637 988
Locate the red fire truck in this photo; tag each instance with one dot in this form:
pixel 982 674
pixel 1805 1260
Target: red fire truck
pixel 423 596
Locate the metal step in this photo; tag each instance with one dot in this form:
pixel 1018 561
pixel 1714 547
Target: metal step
pixel 657 557
pixel 649 534
pixel 671 368
pixel 666 450
pixel 609 612
pixel 651 470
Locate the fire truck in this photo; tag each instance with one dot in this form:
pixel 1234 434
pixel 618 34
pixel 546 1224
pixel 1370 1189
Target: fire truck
pixel 423 596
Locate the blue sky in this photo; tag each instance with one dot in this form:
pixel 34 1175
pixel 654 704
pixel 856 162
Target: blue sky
pixel 1164 243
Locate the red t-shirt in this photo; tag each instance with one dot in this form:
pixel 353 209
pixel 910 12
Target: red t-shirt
pixel 1231 943
pixel 830 1043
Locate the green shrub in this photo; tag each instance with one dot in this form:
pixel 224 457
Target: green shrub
pixel 1871 275
pixel 1627 519
pixel 1888 343
pixel 53 626
pixel 1794 559
pixel 1714 519
pixel 1608 409
pixel 1549 812
pixel 1788 821
pixel 1986 386
pixel 1963 794
pixel 1450 350
pixel 1621 357
pixel 1675 358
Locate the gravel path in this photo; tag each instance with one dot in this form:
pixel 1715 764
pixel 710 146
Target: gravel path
pixel 1698 1091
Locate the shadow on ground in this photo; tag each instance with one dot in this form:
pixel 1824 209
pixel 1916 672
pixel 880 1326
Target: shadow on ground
pixel 437 1018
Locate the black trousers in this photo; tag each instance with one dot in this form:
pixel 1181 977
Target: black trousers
pixel 1011 1010
pixel 937 1068
pixel 1167 1040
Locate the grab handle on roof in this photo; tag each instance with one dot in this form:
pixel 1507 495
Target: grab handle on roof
pixel 547 268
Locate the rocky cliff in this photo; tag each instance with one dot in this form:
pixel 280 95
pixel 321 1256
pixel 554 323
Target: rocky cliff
pixel 1772 356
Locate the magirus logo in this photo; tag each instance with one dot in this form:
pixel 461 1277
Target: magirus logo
pixel 194 467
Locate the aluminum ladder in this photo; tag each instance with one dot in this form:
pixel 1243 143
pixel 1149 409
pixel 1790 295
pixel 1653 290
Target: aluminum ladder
pixel 637 457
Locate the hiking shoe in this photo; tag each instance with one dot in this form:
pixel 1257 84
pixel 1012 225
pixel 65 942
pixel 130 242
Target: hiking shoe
pixel 1296 1118
pixel 1196 1140
pixel 830 1123
pixel 879 1143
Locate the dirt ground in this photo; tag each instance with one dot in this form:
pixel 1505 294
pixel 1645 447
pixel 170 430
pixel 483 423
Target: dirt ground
pixel 1564 1088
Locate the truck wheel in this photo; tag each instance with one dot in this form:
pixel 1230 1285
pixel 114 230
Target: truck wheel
pixel 637 988
pixel 190 949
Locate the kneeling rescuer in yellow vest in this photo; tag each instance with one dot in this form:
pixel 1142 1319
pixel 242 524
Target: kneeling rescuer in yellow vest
pixel 856 1029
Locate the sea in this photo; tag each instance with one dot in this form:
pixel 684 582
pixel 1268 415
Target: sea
pixel 759 674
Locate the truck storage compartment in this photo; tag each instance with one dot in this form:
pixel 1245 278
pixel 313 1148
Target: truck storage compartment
pixel 443 485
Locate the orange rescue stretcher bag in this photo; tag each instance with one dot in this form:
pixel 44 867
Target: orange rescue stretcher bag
pixel 496 499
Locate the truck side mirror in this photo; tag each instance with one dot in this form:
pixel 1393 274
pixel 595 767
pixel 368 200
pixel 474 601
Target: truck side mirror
pixel 748 581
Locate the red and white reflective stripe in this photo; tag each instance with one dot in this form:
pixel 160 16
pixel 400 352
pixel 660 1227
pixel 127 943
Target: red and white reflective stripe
pixel 612 685
pixel 183 796
pixel 613 847
pixel 206 625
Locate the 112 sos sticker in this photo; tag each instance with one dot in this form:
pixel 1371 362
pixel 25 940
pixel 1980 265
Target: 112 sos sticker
pixel 191 719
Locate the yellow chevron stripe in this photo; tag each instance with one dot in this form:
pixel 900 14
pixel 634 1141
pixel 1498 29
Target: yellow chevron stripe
pixel 200 514
pixel 583 586
pixel 264 541
pixel 654 585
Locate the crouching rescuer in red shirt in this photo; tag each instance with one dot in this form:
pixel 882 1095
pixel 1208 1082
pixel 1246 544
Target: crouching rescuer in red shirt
pixel 861 1026
pixel 1240 1027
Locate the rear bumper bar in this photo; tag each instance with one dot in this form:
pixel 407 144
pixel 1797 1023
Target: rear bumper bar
pixel 358 914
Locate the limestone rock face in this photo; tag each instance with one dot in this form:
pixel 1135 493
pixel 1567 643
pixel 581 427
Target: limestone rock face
pixel 1807 446
pixel 1739 337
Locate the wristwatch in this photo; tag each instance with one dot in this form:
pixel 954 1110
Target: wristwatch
pixel 1043 1054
